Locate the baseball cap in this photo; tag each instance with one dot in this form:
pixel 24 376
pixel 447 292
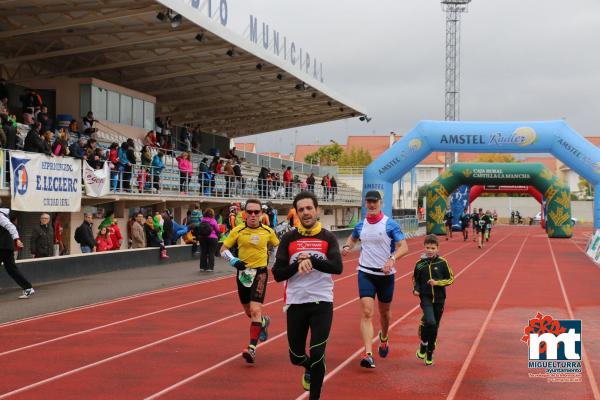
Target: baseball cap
pixel 373 195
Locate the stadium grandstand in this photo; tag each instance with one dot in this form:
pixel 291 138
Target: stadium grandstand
pixel 160 79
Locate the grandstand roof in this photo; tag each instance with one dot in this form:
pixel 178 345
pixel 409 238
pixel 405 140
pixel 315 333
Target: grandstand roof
pixel 186 68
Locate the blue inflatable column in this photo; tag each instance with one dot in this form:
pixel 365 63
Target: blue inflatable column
pixel 597 206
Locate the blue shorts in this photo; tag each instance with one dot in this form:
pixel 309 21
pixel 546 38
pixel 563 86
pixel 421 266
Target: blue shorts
pixel 370 285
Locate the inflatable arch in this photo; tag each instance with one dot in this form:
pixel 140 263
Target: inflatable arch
pixel 477 190
pixel 554 137
pixel 557 195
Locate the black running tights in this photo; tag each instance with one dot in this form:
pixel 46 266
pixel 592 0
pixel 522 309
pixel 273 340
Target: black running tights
pixel 300 318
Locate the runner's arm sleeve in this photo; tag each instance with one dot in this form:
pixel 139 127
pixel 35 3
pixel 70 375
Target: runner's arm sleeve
pixel 448 275
pixel 273 239
pixel 282 269
pixel 333 264
pixel 9 226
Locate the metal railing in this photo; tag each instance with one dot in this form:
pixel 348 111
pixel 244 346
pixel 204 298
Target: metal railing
pixel 409 225
pixel 168 180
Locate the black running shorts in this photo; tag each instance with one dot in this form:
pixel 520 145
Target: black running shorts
pixel 257 291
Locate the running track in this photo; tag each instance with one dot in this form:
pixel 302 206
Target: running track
pixel 185 343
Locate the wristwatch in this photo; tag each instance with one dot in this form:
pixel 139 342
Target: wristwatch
pixel 392 257
pixel 345 246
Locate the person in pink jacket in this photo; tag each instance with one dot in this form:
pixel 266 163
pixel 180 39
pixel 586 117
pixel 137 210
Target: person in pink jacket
pixel 185 171
pixel 207 234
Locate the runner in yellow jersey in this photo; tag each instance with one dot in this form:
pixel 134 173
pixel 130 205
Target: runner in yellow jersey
pixel 253 240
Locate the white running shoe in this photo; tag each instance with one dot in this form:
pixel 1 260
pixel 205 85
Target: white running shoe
pixel 27 293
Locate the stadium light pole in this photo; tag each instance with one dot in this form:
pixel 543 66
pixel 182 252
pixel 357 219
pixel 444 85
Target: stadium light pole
pixel 453 10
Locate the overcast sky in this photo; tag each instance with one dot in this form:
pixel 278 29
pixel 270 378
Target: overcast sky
pixel 520 60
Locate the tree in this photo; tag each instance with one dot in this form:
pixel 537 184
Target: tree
pixel 586 187
pixel 326 155
pixel 355 158
pixel 312 158
pixel 495 157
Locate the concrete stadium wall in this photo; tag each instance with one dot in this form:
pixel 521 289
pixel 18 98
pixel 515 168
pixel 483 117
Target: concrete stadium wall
pixel 52 269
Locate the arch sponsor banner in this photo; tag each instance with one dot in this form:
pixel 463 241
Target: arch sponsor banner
pixel 42 183
pixel 97 181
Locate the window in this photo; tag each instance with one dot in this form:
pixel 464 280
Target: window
pixel 85 99
pixel 138 113
pixel 112 112
pixel 126 110
pixel 98 106
pixel 148 116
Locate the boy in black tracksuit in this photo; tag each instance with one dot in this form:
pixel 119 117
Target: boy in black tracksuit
pixel 432 275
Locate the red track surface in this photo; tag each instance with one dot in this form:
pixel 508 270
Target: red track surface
pixel 185 343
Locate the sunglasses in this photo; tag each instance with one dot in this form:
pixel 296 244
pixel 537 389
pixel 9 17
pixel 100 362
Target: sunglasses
pixel 255 212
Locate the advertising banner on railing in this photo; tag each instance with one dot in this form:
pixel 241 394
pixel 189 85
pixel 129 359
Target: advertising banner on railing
pixel 42 183
pixel 97 181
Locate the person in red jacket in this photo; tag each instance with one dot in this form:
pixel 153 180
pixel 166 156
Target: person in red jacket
pixel 103 240
pixel 287 182
pixel 115 235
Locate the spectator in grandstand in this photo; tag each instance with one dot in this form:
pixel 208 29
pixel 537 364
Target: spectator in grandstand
pixel 204 176
pixel 3 139
pixel 103 242
pixel 3 105
pixel 158 128
pixel 186 139
pixel 196 140
pixel 138 233
pixel 47 142
pixel 84 234
pixel 213 164
pixel 124 167
pixel 157 166
pixel 73 129
pixel 237 171
pixel 144 172
pixel 207 234
pixel 28 119
pixel 185 172
pixel 10 131
pixel 31 101
pixel 91 154
pixel 262 182
pixel 88 124
pixel 33 140
pixel 44 118
pixel 98 159
pixel 229 178
pixel 42 238
pixel 60 147
pixel 167 132
pixel 113 157
pixel 219 167
pixel 326 185
pixel 310 182
pixel 232 154
pixel 287 181
pixel 77 149
pixel 332 187
pixel 150 139
pixel 154 234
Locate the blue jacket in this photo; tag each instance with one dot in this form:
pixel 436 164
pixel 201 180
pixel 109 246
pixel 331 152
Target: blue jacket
pixel 157 164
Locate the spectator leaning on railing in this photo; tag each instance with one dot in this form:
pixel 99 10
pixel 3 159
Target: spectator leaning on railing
pixel 77 149
pixel 60 147
pixel 84 235
pixel 185 172
pixel 157 166
pixel 42 238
